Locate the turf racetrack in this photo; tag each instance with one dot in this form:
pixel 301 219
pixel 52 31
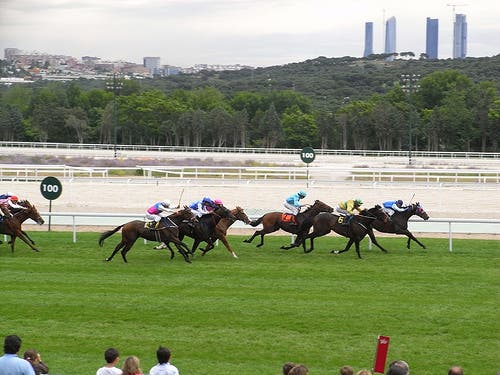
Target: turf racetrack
pixel 226 316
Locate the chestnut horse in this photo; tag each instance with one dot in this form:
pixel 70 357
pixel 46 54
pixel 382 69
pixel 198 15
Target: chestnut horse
pixel 12 226
pixel 132 230
pixel 357 228
pixel 398 223
pixel 272 221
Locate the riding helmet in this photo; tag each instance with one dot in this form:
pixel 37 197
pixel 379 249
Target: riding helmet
pixel 399 202
pixel 14 198
pixel 218 201
pixel 358 201
pixel 302 194
pixel 166 202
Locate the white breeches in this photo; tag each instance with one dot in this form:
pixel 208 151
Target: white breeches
pixel 290 208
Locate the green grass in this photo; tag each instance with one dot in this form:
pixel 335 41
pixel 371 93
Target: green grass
pixel 221 315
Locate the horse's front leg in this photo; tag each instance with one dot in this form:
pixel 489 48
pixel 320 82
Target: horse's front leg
pixel 348 246
pixel 24 239
pixel 249 240
pixel 412 237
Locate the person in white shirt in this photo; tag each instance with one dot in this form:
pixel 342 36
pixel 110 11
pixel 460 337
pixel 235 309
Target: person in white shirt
pixel 163 367
pixel 112 357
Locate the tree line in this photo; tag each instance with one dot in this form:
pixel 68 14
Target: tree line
pixel 445 110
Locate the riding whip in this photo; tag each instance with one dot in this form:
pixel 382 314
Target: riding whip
pixel 182 193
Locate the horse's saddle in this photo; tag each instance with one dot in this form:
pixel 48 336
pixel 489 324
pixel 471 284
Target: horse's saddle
pixel 288 218
pixel 344 220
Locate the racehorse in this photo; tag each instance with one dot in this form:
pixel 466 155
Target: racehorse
pixel 357 228
pixel 132 230
pixel 204 230
pixel 273 221
pixel 398 223
pixel 222 227
pixel 12 226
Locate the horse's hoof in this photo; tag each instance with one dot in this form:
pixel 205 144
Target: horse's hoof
pixel 246 241
pixel 335 252
pixel 107 259
pixel 259 245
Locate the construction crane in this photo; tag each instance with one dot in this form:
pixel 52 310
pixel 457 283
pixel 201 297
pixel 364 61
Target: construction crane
pixel 453 6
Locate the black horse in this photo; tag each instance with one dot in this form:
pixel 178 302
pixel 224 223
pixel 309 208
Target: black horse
pixel 273 221
pixel 204 229
pixel 132 230
pixel 356 229
pixel 398 223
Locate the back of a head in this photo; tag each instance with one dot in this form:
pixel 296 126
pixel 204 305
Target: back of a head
pixel 12 344
pixel 456 370
pixel 163 355
pixel 287 367
pixel 110 355
pixel 398 368
pixel 30 355
pixel 298 370
pixel 346 370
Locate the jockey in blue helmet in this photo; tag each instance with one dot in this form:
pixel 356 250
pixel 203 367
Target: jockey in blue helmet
pixel 292 204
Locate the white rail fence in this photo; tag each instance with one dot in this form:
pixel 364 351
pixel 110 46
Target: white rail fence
pixel 438 225
pixel 158 174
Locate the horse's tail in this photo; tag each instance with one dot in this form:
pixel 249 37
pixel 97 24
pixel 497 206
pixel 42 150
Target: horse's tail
pixel 108 233
pixel 256 222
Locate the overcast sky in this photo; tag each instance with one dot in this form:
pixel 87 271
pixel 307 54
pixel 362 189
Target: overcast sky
pixel 256 33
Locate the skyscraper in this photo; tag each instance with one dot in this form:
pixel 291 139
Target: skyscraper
pixel 152 63
pixel 431 38
pixel 460 37
pixel 390 37
pixel 368 39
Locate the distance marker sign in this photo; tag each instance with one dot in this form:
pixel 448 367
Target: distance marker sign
pixel 51 188
pixel 307 155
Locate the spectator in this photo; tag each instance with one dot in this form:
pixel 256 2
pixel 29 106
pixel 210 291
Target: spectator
pixel 131 366
pixel 287 367
pixel 10 363
pixel 398 368
pixel 33 357
pixel 364 372
pixel 111 356
pixel 163 367
pixel 298 369
pixel 456 370
pixel 346 370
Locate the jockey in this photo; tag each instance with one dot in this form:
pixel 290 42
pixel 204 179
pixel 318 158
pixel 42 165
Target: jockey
pixel 347 208
pixel 158 211
pixel 292 204
pixel 217 203
pixel 203 206
pixel 8 201
pixel 392 206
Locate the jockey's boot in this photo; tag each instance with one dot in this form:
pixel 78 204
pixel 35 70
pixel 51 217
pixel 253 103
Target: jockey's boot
pixel 157 224
pixel 348 220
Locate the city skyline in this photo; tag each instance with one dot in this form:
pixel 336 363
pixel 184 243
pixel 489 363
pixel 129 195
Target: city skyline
pixel 255 33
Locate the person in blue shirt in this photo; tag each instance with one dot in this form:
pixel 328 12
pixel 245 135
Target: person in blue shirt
pixel 203 206
pixel 10 363
pixel 292 204
pixel 392 206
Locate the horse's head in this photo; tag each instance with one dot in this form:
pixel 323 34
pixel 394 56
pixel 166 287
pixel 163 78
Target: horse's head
pixel 321 206
pixel 224 212
pixel 31 212
pixel 419 211
pixel 184 214
pixel 239 214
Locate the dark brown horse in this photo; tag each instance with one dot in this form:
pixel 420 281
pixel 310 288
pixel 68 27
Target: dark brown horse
pixel 132 230
pixel 204 229
pixel 222 226
pixel 272 221
pixel 398 223
pixel 12 226
pixel 356 229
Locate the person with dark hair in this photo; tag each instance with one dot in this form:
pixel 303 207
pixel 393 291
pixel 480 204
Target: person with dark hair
pixel 111 356
pixel 34 357
pixel 164 367
pixel 346 370
pixel 287 367
pixel 298 369
pixel 455 370
pixel 398 368
pixel 10 363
